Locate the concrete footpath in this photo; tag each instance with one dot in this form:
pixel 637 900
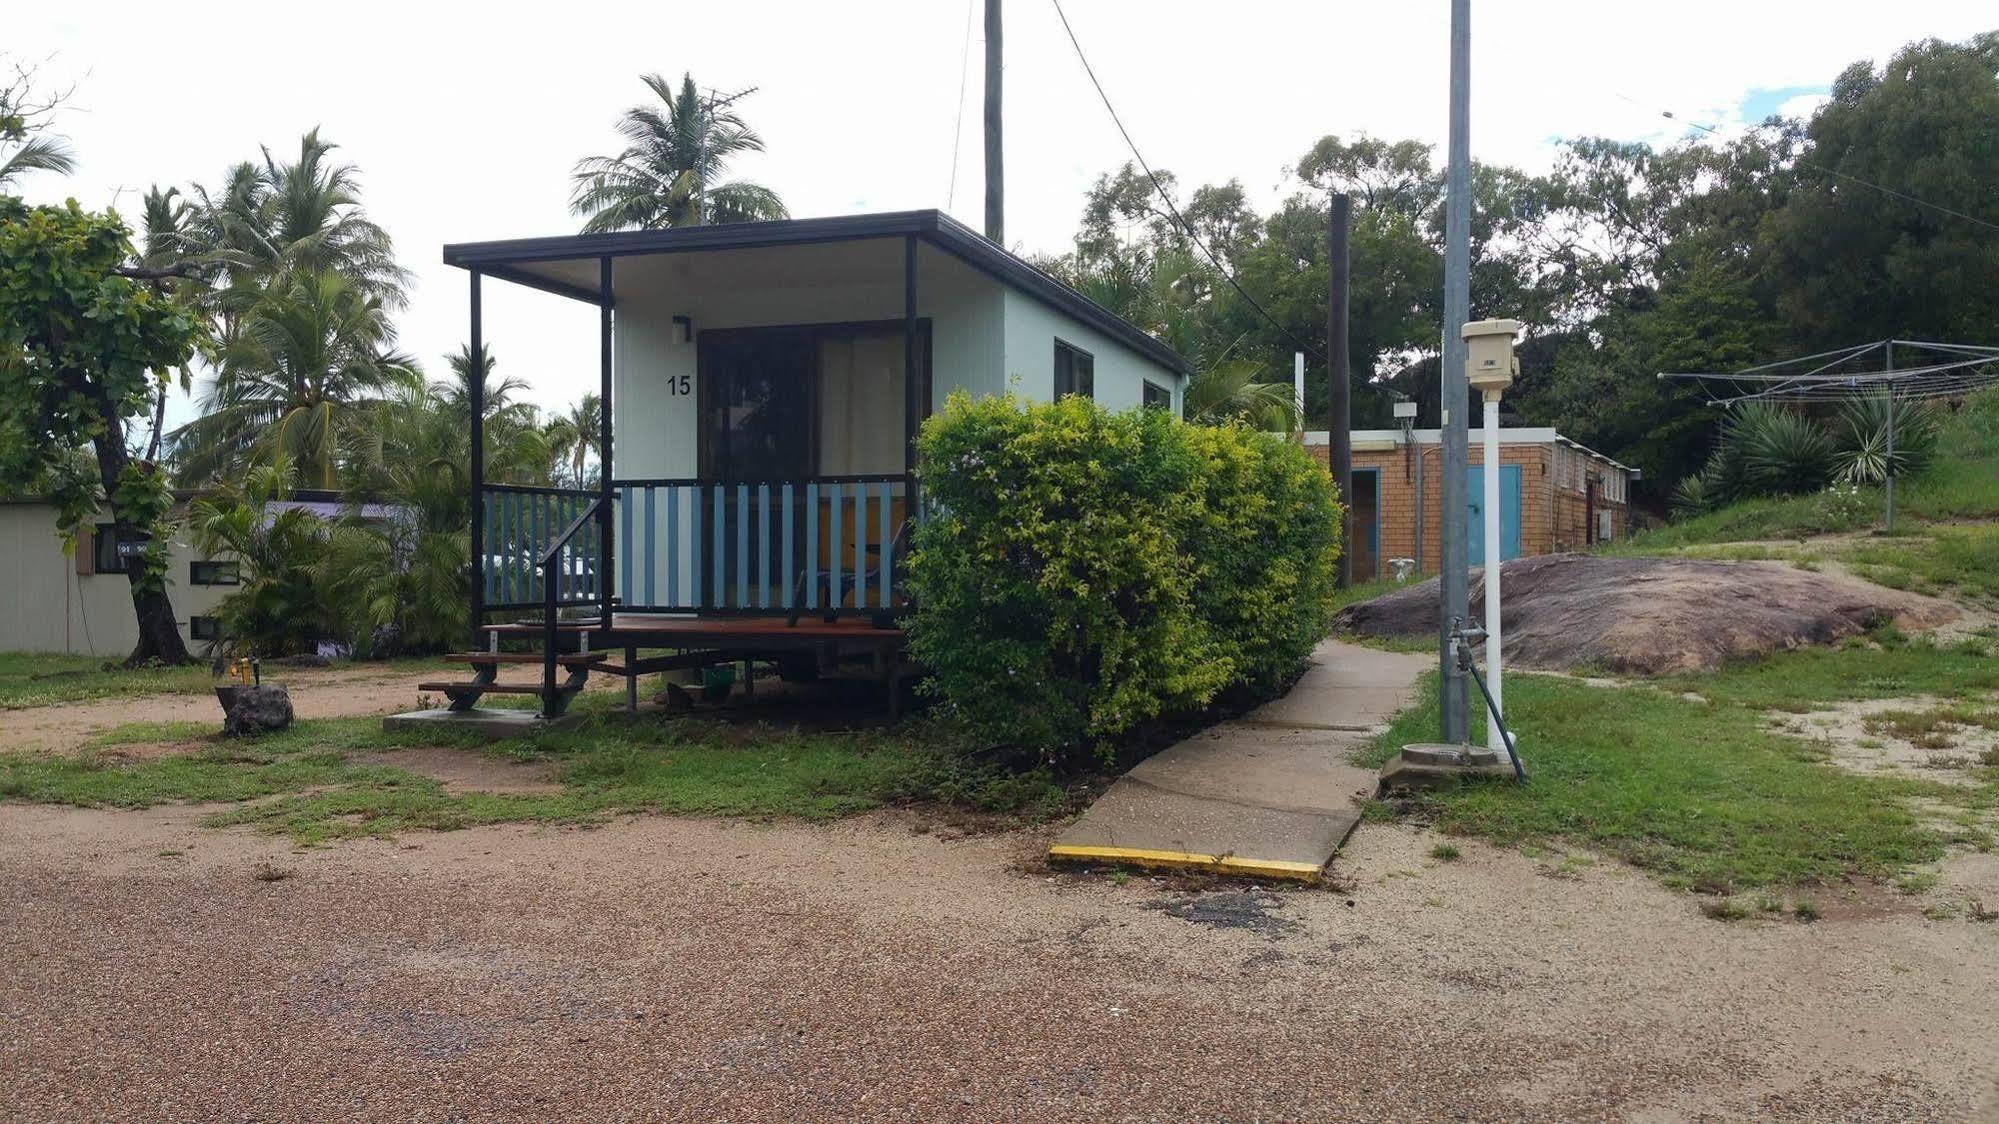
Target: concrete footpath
pixel 1271 794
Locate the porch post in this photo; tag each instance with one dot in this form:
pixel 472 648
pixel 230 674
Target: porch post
pixel 477 397
pixel 911 385
pixel 607 564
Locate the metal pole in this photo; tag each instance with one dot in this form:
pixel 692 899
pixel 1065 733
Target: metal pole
pixel 1340 425
pixel 1454 555
pixel 1298 393
pixel 607 559
pixel 1888 466
pixel 995 157
pixel 476 395
pixel 1489 471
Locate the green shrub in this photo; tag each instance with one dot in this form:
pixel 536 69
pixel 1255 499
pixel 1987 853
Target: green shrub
pixel 1262 532
pixel 1083 572
pixel 1863 448
pixel 1784 452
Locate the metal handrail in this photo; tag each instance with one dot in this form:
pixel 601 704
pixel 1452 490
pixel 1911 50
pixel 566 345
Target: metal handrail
pixel 549 560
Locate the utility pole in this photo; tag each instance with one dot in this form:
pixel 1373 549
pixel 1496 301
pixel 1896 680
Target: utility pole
pixel 1455 554
pixel 1339 439
pixel 995 158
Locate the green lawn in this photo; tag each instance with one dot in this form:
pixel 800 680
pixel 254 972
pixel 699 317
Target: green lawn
pixel 314 791
pixel 39 679
pixel 1961 483
pixel 1702 793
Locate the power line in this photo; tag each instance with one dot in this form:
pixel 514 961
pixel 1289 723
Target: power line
pixel 1884 189
pixel 1185 228
pixel 958 132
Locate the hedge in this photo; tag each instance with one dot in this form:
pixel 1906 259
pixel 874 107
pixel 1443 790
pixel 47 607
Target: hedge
pixel 1083 572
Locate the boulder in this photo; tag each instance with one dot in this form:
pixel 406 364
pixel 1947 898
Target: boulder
pixel 257 710
pixel 1654 616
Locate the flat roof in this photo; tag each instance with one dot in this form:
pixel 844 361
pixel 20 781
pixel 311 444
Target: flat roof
pixel 1508 435
pixel 515 259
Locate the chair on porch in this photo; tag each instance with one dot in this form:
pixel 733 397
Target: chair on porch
pixel 836 589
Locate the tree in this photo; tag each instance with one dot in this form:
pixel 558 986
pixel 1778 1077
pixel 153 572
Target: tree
pixel 308 360
pixel 272 220
pixel 574 435
pixel 671 171
pixel 1852 262
pixel 85 340
pixel 25 109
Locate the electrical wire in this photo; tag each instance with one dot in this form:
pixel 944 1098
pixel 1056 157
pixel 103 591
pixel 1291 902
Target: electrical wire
pixel 1166 198
pixel 958 132
pixel 1884 189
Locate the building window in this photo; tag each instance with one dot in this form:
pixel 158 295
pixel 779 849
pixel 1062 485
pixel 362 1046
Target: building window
pixel 204 628
pixel 213 573
pixel 104 550
pixel 1075 371
pixel 1157 397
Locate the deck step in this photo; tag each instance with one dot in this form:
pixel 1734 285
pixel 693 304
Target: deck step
pixel 567 659
pixel 485 688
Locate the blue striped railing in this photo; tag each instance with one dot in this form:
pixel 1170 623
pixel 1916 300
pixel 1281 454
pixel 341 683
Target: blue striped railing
pixel 520 522
pixel 758 546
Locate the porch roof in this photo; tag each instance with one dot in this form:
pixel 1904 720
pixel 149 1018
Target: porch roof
pixel 550 264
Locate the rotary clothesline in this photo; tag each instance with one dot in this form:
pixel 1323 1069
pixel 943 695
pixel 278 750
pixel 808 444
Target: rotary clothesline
pixel 1963 369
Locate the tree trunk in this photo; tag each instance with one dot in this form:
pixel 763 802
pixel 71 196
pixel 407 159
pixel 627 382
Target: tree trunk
pixel 159 636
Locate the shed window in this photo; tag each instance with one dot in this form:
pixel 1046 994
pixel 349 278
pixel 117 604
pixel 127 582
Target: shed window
pixel 1157 397
pixel 213 573
pixel 1075 371
pixel 104 550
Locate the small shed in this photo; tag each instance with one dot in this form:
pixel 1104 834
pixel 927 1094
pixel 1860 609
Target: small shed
pixel 1555 495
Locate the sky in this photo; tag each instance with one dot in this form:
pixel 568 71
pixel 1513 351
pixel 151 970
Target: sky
pixel 465 120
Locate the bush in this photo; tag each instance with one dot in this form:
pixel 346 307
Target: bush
pixel 1784 452
pixel 1084 572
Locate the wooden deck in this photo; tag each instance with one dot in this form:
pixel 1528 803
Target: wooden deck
pixel 653 630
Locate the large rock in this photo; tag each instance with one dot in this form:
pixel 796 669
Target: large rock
pixel 257 710
pixel 1654 616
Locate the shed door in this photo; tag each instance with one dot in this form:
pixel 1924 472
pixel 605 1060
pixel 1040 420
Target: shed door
pixel 1509 512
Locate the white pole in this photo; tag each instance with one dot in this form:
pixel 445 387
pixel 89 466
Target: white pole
pixel 1490 471
pixel 1298 388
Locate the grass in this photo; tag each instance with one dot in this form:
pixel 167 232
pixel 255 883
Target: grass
pixel 29 679
pixel 1961 483
pixel 40 679
pixel 1704 794
pixel 304 781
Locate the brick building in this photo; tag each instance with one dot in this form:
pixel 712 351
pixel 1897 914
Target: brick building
pixel 1555 495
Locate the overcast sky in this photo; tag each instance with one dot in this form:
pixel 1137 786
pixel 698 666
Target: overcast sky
pixel 465 122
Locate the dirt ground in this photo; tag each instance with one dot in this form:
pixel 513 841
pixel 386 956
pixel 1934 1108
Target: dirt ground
pixel 336 692
pixel 882 969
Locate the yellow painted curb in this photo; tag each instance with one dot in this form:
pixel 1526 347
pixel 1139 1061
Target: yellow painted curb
pixel 1188 860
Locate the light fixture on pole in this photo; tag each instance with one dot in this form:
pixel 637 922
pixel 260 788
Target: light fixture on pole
pixel 1490 367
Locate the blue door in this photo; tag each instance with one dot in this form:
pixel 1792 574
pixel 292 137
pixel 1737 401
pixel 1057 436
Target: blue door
pixel 1509 512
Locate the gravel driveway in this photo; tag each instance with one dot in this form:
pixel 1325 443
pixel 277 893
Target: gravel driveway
pixel 679 969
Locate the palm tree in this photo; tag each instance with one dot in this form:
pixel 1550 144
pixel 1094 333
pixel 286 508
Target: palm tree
pixel 670 173
pixel 575 435
pixel 310 357
pixel 1231 390
pixel 271 219
pixel 24 114
pixel 518 450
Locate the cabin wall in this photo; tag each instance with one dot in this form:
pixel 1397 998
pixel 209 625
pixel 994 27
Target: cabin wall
pixel 656 391
pixel 1031 331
